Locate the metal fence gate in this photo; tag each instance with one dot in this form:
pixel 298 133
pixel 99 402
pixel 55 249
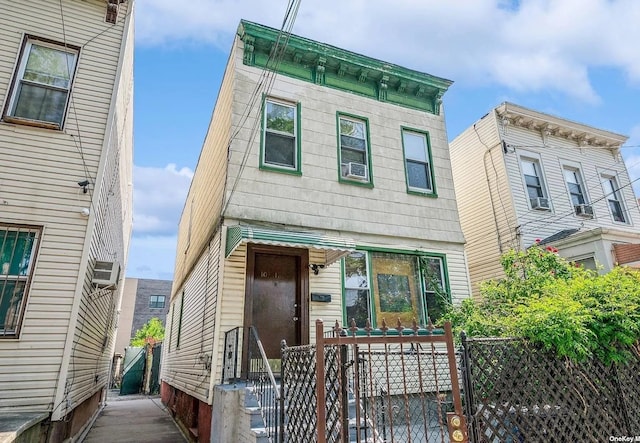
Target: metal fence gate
pixel 364 385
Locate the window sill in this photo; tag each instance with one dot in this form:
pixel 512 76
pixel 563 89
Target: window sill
pixel 280 170
pixel 34 123
pixel 363 184
pixel 422 193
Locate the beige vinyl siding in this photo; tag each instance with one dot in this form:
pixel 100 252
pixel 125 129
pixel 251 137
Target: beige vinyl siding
pixel 558 151
pixel 39 169
pixel 318 199
pixel 328 281
pixel 203 206
pixel 185 367
pixel 484 198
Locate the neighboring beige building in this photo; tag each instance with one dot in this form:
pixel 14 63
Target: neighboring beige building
pixel 327 188
pixel 66 94
pixel 521 175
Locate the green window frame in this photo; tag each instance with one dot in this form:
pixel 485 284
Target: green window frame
pixel 391 284
pixel 354 150
pixel 418 163
pixel 280 143
pixel 18 251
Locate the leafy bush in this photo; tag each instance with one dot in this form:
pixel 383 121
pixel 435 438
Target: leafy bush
pixel 575 312
pixel 151 331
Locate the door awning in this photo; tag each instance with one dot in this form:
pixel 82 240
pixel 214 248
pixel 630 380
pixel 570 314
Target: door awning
pixel 334 247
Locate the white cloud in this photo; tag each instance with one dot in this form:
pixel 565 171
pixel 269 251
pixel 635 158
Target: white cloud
pixel 158 198
pixel 530 45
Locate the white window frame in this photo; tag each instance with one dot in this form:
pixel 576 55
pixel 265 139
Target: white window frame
pixel 296 142
pixel 18 80
pixel 576 169
pixel 7 277
pixel 612 180
pixel 537 162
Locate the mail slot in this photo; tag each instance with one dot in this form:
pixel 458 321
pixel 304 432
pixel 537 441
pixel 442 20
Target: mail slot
pixel 323 298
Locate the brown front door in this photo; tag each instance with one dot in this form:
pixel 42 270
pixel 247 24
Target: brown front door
pixel 276 281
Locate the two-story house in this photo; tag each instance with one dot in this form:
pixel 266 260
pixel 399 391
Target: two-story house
pixel 66 84
pixel 522 176
pixel 323 191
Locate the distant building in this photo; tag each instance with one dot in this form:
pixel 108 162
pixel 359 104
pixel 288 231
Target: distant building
pixel 66 160
pixel 142 300
pixel 522 175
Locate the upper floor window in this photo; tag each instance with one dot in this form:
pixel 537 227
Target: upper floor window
pixel 532 173
pixel 574 184
pixel 353 151
pixel 281 138
pixel 417 155
pixel 156 301
pixel 614 198
pixel 18 246
pixel 391 286
pixel 42 84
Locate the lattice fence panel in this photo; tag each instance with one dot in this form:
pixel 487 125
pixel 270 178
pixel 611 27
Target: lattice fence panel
pixel 299 393
pixel 520 393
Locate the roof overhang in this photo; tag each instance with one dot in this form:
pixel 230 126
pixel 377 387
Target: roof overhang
pixel 582 134
pixel 334 248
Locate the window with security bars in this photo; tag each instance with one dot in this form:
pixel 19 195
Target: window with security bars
pixel 18 246
pixel 156 301
pixel 42 84
pixel 280 144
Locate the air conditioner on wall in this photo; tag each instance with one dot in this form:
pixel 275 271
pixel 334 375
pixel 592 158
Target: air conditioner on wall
pixel 584 210
pixel 540 203
pixel 357 170
pixel 105 273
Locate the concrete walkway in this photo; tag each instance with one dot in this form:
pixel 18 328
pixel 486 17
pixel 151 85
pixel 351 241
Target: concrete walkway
pixel 134 419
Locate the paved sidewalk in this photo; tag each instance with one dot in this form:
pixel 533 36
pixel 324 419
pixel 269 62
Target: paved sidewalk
pixel 134 419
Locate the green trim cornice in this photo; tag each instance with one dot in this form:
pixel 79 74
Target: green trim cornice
pixel 337 68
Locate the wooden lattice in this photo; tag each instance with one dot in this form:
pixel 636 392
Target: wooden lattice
pixel 517 392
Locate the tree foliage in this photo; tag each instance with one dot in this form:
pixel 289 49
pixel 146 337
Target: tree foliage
pixel 565 308
pixel 151 331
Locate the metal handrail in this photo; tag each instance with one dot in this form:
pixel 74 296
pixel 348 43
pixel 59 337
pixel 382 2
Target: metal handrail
pixel 266 389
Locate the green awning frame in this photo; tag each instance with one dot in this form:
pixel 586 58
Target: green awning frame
pixel 334 247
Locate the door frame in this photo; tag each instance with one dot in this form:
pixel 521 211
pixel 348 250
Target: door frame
pixel 302 297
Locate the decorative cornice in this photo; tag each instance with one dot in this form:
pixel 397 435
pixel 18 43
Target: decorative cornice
pixel 337 68
pixel 548 125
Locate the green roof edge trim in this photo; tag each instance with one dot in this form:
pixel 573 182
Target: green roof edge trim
pixel 337 68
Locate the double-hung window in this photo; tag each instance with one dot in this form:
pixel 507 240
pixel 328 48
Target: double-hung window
pixel 42 84
pixel 156 301
pixel 353 149
pixel 574 183
pixel 18 246
pixel 281 138
pixel 417 155
pixel 532 173
pixel 614 198
pixel 389 285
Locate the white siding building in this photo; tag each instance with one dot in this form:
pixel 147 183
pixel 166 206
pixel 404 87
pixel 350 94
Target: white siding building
pixel 327 194
pixel 522 175
pixel 66 86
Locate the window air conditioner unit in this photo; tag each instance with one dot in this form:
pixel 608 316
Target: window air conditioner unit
pixel 106 273
pixel 540 203
pixel 584 210
pixel 357 170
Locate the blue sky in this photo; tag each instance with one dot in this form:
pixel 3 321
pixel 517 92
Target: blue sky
pixel 576 59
